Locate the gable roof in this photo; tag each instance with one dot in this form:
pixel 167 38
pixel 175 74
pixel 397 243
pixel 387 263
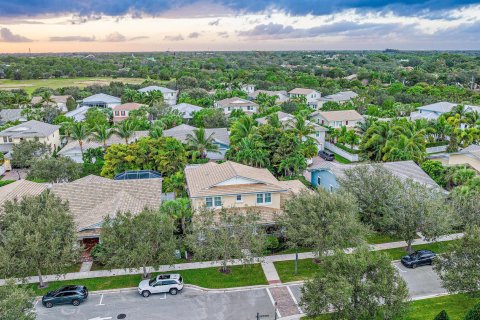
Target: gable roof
pixel 56 99
pixel 78 114
pixel 156 88
pixel 235 102
pixel 19 189
pixel 439 107
pixel 302 91
pixel 202 180
pixel 29 129
pixel 102 97
pixel 339 115
pixel 286 118
pixel 92 198
pixel 127 106
pixel 7 115
pixel 180 133
pixel 340 96
pixel 186 109
pixel 281 95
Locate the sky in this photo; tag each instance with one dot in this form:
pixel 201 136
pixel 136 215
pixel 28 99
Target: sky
pixel 226 25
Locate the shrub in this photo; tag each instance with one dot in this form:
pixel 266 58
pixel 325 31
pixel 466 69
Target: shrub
pixel 474 313
pixel 442 316
pixel 95 251
pixel 271 243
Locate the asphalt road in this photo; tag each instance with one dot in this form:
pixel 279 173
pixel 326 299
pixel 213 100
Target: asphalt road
pixel 193 304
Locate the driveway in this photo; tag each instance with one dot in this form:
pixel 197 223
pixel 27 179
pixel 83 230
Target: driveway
pixel 422 282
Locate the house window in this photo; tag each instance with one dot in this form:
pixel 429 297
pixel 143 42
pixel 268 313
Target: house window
pixel 259 198
pixel 116 113
pixel 10 139
pixel 323 121
pixel 122 113
pixel 346 123
pixel 218 201
pixel 317 134
pixel 5 139
pixel 264 198
pixel 239 198
pixel 229 108
pixel 331 188
pixel 209 202
pixel 319 181
pixel 250 108
pixel 268 198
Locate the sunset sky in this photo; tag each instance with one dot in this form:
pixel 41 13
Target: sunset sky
pixel 184 25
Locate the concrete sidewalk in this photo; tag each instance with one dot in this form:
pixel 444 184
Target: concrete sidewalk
pixel 209 264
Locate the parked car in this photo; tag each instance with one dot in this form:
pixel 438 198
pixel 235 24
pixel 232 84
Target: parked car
pixel 326 155
pixel 418 258
pixel 163 283
pixel 65 295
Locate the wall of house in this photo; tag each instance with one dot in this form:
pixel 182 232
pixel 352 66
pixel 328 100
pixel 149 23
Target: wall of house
pixel 324 179
pixel 170 98
pixel 454 159
pixel 52 140
pixel 248 200
pixel 320 139
pixel 243 108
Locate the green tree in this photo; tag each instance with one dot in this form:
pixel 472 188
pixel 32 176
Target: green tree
pixel 102 133
pixel 442 316
pixel 302 127
pixel 125 130
pixel 16 303
pixel 358 286
pixel 38 233
pixel 435 170
pixel 175 183
pixel 180 210
pixel 226 235
pixel 142 240
pixel 201 143
pixel 209 118
pixel 95 117
pixel 55 170
pixel 474 313
pixel 78 131
pixel 242 128
pixel 24 152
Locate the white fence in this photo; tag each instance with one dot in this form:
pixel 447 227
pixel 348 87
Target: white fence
pixel 436 149
pixel 347 155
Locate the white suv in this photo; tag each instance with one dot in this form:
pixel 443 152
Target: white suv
pixel 162 283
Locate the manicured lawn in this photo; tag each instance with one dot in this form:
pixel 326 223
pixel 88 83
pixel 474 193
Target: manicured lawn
pixel 307 268
pixel 208 278
pixel 341 159
pixel 456 306
pixel 376 238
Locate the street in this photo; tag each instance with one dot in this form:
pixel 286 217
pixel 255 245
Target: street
pixel 194 304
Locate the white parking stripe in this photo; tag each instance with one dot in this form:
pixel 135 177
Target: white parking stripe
pixel 398 268
pixel 101 300
pixel 164 297
pixel 273 303
pixel 294 300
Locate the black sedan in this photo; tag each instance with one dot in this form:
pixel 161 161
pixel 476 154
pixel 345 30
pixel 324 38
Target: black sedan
pixel 418 258
pixel 65 295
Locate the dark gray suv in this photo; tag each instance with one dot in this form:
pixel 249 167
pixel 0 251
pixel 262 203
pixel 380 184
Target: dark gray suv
pixel 418 258
pixel 65 295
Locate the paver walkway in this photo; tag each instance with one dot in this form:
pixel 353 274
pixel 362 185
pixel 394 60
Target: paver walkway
pixel 284 300
pixel 270 273
pixel 86 266
pixel 208 264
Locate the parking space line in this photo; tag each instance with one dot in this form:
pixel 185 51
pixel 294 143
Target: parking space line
pixel 273 303
pixel 399 269
pixel 294 299
pixel 164 297
pixel 101 300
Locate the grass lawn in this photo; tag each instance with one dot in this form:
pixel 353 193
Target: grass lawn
pixel 307 268
pixel 341 159
pixel 30 85
pixel 208 278
pixel 376 238
pixel 456 306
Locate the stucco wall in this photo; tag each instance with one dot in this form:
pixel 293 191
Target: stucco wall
pixel 248 200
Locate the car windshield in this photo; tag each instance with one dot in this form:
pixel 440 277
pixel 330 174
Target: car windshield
pixel 152 282
pixel 180 279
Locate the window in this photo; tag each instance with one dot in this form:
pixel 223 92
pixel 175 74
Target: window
pixel 317 134
pixel 264 198
pixel 346 123
pixel 259 197
pixel 319 181
pixel 116 113
pixel 5 139
pixel 229 108
pixel 331 188
pixel 122 113
pixel 209 202
pixel 239 198
pixel 218 201
pixel 268 198
pixel 323 121
pixel 250 108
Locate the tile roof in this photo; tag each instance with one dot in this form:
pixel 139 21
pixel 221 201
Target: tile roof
pixel 281 95
pixel 340 96
pixel 19 189
pixel 302 91
pixel 288 118
pixel 440 107
pixel 127 106
pixel 340 115
pixel 92 198
pixel 202 179
pixel 180 133
pixel 102 97
pixel 56 99
pixel 11 115
pixel 157 88
pixel 78 114
pixel 29 129
pixel 186 109
pixel 471 148
pixel 235 102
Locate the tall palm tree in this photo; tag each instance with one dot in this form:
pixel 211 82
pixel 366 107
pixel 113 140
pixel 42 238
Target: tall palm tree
pixel 199 141
pixel 152 98
pixel 302 127
pixel 126 130
pixel 46 98
pixel 252 152
pixel 178 209
pixel 78 131
pixel 156 132
pixel 102 133
pixel 374 140
pixel 406 142
pixel 242 128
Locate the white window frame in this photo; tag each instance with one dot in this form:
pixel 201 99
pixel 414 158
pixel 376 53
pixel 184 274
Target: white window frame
pixel 219 199
pixel 209 199
pixel 263 198
pixel 239 198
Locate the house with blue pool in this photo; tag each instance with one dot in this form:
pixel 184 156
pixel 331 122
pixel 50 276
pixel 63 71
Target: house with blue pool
pixel 325 174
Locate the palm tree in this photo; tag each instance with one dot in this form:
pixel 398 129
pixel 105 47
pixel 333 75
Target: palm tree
pixel 362 126
pixel 245 126
pixel 152 98
pixel 156 132
pixel 252 152
pixel 126 130
pixel 78 131
pixel 178 209
pixel 201 143
pixel 352 138
pixel 407 142
pixel 46 98
pixel 102 133
pixel 130 95
pixel 302 127
pixel 374 140
pixel 293 164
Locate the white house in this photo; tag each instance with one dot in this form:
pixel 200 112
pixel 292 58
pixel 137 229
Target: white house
pixel 339 97
pixel 337 119
pixel 186 110
pixel 169 95
pixel 248 88
pixel 10 115
pixel 289 121
pixel 101 100
pixel 59 101
pixel 434 110
pixel 281 96
pixel 31 130
pixel 235 103
pixel 312 96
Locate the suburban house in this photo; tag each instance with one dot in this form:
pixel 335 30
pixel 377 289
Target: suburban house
pixel 59 101
pixel 101 100
pixel 248 88
pixel 434 110
pixel 339 97
pixel 312 96
pixel 31 130
pixel 11 115
pixel 78 114
pixel 72 148
pixel 19 189
pixel 289 121
pixel 92 198
pixel 220 135
pixel 337 119
pixel 186 109
pixel 234 185
pixel 169 95
pixel 325 174
pixel 282 96
pixel 467 156
pixel 121 111
pixel 235 103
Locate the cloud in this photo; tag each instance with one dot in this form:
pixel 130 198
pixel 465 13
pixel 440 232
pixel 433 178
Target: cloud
pixel 156 7
pixel 215 22
pixel 73 39
pixel 78 19
pixel 194 35
pixel 115 37
pixel 223 34
pixel 7 36
pixel 174 38
pixel 139 38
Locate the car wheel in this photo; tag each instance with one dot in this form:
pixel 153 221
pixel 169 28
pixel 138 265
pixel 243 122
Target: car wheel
pixel 414 266
pixel 146 294
pixel 173 291
pixel 76 302
pixel 48 305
